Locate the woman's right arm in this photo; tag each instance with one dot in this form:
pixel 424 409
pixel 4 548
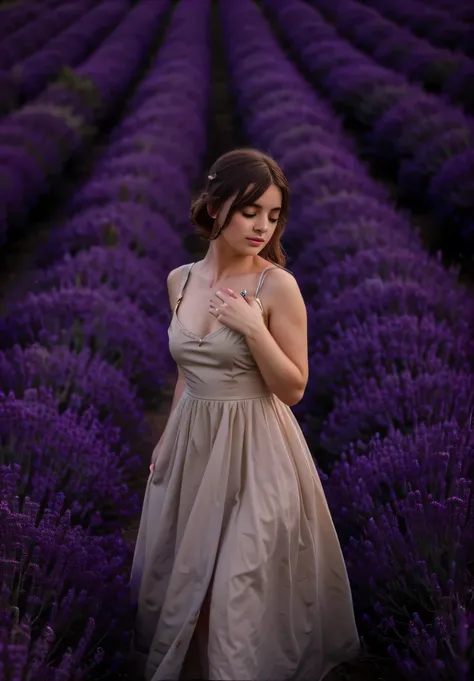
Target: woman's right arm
pixel 174 283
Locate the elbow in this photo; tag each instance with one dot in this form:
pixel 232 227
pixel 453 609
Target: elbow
pixel 293 397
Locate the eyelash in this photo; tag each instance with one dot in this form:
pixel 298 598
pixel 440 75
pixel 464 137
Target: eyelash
pixel 252 215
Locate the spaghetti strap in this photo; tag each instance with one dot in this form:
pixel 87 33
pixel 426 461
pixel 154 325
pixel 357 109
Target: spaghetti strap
pixel 264 274
pixel 184 281
pixel 262 279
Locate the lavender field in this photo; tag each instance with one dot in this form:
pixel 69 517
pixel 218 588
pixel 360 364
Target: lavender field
pixel 110 113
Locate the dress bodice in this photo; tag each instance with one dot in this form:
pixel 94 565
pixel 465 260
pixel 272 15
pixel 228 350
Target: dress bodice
pixel 218 366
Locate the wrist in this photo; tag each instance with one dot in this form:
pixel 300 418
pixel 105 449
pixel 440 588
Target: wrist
pixel 255 330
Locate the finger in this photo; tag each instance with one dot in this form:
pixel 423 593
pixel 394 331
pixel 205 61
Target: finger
pixel 231 293
pixel 226 293
pixel 216 310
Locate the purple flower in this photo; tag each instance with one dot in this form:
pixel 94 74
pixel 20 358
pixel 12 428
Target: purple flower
pixel 66 453
pixel 390 336
pixel 125 225
pixel 111 76
pixel 393 45
pixel 375 296
pixel 85 31
pixel 431 156
pixel 380 347
pixel 62 588
pixel 80 98
pixel 76 381
pixel 119 269
pixel 439 27
pixel 399 400
pixel 144 190
pixel 32 37
pixel 430 459
pixel 406 127
pixel 117 331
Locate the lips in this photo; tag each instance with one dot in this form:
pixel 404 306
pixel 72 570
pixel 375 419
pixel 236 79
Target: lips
pixel 255 240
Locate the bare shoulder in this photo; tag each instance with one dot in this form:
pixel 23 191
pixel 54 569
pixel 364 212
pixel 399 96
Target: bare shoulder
pixel 281 288
pixel 174 280
pixel 177 274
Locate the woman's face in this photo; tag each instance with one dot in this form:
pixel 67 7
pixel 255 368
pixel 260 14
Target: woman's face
pixel 252 227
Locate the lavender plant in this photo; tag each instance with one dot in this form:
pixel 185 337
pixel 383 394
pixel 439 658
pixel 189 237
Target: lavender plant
pixel 76 382
pixel 64 596
pixel 392 350
pixel 115 225
pixel 437 69
pixel 381 102
pixel 77 100
pixel 133 277
pixel 117 331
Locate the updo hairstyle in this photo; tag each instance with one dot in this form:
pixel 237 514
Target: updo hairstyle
pixel 231 174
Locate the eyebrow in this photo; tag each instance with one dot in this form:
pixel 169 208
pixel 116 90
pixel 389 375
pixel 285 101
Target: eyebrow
pixel 258 205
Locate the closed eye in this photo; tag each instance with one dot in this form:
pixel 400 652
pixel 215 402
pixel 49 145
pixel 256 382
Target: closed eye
pixel 253 215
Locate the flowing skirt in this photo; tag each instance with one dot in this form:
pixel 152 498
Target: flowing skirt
pixel 236 512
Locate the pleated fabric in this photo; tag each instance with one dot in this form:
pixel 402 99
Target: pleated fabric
pixel 235 512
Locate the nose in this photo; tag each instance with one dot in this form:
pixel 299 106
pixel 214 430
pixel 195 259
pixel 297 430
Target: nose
pixel 261 224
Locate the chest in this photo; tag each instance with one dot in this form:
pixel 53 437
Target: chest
pixel 193 310
pixel 223 351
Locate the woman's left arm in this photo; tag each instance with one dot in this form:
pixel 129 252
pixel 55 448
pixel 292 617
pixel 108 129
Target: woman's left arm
pixel 281 350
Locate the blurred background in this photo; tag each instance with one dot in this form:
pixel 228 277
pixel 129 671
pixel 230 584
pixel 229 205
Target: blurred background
pixel 111 113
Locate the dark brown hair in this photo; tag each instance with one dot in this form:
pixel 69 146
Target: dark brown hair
pixel 231 174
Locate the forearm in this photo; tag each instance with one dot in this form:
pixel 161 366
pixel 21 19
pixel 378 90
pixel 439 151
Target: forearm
pixel 280 374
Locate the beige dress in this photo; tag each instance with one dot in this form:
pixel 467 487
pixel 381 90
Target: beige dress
pixel 237 514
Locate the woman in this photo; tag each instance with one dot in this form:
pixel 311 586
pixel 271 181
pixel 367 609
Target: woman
pixel 237 561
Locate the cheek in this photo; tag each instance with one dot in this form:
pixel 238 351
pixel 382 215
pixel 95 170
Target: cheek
pixel 271 230
pixel 236 229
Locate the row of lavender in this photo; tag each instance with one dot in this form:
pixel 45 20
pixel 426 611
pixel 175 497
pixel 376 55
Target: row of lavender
pixel 16 15
pixel 463 10
pixel 33 56
pixel 428 143
pixel 39 139
pixel 23 30
pixel 437 69
pixel 444 26
pixel 20 43
pixel 391 393
pixel 80 359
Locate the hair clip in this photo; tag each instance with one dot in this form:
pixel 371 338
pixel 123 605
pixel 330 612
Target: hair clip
pixel 211 177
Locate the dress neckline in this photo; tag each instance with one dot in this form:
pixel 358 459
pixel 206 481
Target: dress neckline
pixel 215 332
pixel 195 336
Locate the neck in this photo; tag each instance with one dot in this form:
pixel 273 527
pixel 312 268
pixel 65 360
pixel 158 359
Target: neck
pixel 220 262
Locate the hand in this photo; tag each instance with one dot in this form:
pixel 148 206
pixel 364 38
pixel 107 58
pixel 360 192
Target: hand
pixel 157 464
pixel 236 312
